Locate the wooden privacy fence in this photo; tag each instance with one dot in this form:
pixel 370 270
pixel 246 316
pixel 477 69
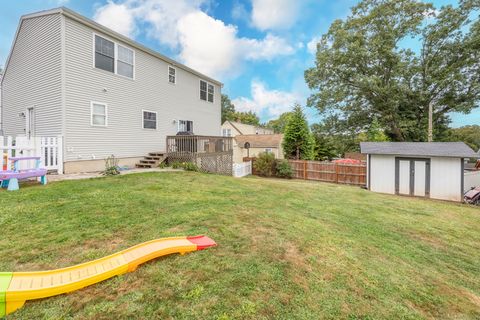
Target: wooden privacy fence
pixel 330 172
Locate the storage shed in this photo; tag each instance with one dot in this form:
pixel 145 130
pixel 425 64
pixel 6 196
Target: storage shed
pixel 422 169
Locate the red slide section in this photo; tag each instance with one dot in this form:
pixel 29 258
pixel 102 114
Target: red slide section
pixel 202 242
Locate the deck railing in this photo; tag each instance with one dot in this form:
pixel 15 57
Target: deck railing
pixel 209 153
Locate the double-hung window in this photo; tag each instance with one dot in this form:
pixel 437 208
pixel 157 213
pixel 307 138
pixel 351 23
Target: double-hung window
pixel 149 120
pixel 104 54
pixel 207 91
pixel 125 62
pixel 113 57
pixel 185 126
pixel 203 90
pixel 172 75
pixel 211 91
pixel 227 132
pixel 98 114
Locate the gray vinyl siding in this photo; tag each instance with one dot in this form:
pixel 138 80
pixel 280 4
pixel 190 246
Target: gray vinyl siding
pixel 33 78
pixel 151 91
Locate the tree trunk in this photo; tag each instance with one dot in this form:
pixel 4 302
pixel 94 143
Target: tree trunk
pixel 297 156
pixel 430 122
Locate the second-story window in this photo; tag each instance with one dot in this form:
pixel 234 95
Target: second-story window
pixel 172 75
pixel 125 62
pixel 203 90
pixel 104 54
pixel 207 91
pixel 211 91
pixel 113 57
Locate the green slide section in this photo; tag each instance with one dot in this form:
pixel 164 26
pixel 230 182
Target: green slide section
pixel 5 278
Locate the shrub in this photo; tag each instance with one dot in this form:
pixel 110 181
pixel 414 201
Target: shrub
pixel 265 164
pixel 111 166
pixel 190 166
pixel 176 165
pixel 284 169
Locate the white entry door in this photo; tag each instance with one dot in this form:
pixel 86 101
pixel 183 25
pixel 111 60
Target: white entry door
pixel 30 122
pixel 412 177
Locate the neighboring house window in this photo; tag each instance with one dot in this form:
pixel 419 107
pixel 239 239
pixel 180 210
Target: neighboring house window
pixel 104 54
pixel 203 90
pixel 149 120
pixel 98 114
pixel 227 132
pixel 125 62
pixel 268 150
pixel 114 58
pixel 185 126
pixel 211 91
pixel 172 75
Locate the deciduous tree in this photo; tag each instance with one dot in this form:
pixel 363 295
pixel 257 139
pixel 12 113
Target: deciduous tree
pixel 364 69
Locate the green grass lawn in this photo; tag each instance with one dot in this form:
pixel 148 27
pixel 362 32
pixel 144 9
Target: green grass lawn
pixel 286 249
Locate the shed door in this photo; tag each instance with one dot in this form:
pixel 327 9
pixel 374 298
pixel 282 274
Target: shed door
pixel 419 178
pixel 412 176
pixel 404 177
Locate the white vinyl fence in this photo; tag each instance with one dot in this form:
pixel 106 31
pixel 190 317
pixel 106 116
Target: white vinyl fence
pixel 242 169
pixel 49 149
pixel 471 179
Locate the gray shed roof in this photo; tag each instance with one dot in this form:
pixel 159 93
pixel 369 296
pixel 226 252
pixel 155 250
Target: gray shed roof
pixel 432 149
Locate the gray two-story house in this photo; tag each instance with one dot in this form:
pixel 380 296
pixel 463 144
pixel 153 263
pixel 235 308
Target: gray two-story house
pixel 104 93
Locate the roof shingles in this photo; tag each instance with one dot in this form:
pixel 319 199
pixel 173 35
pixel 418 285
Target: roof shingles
pixel 260 140
pixel 432 149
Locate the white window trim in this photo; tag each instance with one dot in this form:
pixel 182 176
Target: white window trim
pixel 199 82
pixel 91 114
pixel 168 74
pixel 156 120
pixel 115 56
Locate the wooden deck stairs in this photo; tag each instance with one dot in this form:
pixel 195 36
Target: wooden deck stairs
pixel 152 160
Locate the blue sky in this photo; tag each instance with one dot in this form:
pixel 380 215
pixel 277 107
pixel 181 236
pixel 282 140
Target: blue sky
pixel 258 48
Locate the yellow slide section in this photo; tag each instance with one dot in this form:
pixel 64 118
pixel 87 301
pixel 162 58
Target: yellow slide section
pixel 17 287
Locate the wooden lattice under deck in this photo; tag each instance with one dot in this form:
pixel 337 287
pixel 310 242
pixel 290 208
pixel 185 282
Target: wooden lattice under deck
pixel 210 153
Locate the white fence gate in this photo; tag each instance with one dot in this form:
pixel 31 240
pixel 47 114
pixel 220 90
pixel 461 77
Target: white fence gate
pixel 49 149
pixel 242 169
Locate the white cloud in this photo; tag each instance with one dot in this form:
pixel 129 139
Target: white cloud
pixel 117 17
pixel 312 45
pixel 275 14
pixel 60 2
pixel 204 43
pixel 239 12
pixel 268 103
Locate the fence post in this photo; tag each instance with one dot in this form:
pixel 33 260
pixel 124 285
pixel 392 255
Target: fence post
pixel 336 172
pixel 305 169
pixel 60 154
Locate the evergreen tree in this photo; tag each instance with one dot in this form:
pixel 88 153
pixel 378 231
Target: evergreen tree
pixel 298 142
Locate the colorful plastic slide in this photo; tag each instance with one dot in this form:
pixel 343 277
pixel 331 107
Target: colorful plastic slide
pixel 17 287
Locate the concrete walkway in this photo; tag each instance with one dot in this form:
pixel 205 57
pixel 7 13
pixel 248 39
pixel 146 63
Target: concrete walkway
pixel 88 175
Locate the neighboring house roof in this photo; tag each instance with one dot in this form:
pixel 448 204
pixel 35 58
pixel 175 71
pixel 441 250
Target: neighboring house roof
pixel 434 149
pixel 260 140
pixel 244 128
pixel 233 124
pixel 92 24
